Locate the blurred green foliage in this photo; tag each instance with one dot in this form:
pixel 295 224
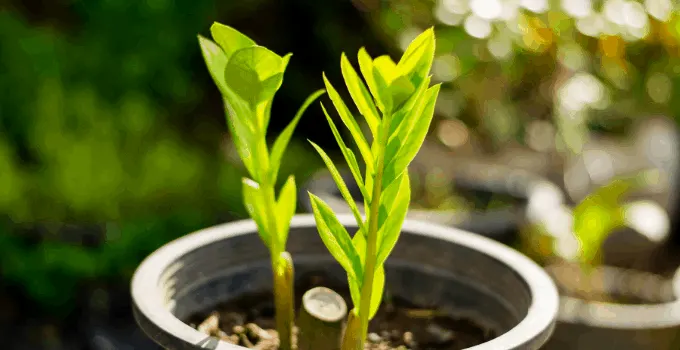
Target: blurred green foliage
pixel 110 143
pixel 508 65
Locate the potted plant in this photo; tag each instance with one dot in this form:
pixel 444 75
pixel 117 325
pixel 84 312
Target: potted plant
pixel 213 288
pixel 603 305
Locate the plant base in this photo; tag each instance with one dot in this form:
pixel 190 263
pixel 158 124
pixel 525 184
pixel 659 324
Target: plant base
pixel 249 322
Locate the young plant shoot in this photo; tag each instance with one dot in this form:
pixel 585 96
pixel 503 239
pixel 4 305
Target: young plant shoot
pixel 248 76
pixel 602 212
pixel 398 106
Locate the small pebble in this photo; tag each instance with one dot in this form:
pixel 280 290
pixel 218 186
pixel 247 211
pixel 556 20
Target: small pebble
pixel 408 338
pixel 211 324
pixel 374 338
pixel 238 329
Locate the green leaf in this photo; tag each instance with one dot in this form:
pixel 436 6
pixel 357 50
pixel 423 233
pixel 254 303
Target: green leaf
pixel 360 95
pixel 336 238
pixel 390 230
pixel 383 90
pixel 238 121
pixel 341 184
pixel 359 242
pixel 380 94
pixel 378 290
pixel 253 200
pixel 415 138
pixel 230 39
pixel 386 68
pixel 286 206
pixel 283 139
pixel 349 122
pixel 255 74
pixel 215 59
pixel 402 121
pixel 349 156
pixel 416 62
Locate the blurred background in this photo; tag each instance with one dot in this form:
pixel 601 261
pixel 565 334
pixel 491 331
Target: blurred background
pixel 113 139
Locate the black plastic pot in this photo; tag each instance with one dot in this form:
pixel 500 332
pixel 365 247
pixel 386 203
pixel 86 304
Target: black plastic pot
pixel 463 273
pixel 653 324
pixel 482 180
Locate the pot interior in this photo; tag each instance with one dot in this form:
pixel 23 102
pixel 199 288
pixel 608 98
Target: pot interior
pixel 427 271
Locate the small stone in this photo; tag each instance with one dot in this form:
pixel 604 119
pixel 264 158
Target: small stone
pixel 439 334
pixel 385 334
pixel 408 338
pixel 238 329
pixel 374 338
pixel 211 324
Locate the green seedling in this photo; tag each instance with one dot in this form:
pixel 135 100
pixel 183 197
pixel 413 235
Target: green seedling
pixel 602 212
pixel 398 106
pixel 248 76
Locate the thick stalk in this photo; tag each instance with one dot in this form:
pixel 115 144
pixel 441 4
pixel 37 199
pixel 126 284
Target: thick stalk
pixel 282 268
pixel 372 239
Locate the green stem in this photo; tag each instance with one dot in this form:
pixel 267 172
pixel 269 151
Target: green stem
pixel 372 239
pixel 282 268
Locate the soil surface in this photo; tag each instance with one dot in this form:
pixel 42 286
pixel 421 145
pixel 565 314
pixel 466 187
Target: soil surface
pixel 249 321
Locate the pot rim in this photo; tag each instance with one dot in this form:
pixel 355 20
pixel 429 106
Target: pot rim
pixel 536 327
pixel 622 316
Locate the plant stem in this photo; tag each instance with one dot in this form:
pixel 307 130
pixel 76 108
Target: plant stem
pixel 372 239
pixel 282 270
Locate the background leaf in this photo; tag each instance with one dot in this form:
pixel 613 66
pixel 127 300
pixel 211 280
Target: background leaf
pixel 229 39
pixel 253 200
pixel 360 95
pixel 215 59
pixel 349 122
pixel 344 191
pixel 336 238
pixel 349 156
pixel 282 140
pixel 286 206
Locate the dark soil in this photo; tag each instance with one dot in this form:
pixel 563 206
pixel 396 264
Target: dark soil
pixel 399 324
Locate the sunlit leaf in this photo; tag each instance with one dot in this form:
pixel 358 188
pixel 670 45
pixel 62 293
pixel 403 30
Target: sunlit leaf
pixel 417 59
pixel 349 122
pixel 349 156
pixel 215 59
pixel 360 95
pixel 229 39
pixel 255 74
pixel 344 191
pixel 253 200
pixel 390 230
pixel 283 139
pixel 403 119
pixel 386 68
pixel 368 71
pixel 336 238
pixel 378 290
pixel 415 138
pixel 285 209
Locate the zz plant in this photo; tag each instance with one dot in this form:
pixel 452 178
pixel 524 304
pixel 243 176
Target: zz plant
pixel 398 106
pixel 248 76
